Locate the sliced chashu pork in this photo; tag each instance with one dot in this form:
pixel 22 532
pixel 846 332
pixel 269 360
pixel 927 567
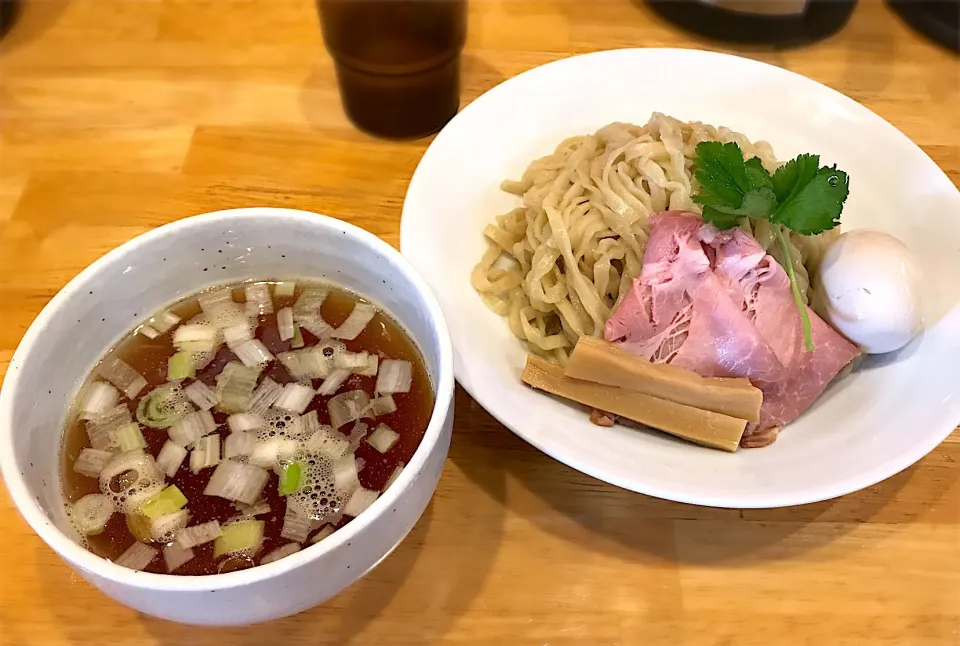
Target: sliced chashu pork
pixel 716 303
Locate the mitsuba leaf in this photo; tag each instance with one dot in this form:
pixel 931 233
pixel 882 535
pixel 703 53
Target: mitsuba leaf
pixel 757 174
pixel 795 174
pixel 815 206
pixel 719 219
pixel 721 173
pixel 757 204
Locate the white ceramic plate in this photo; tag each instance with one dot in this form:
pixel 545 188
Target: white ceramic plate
pixel 867 427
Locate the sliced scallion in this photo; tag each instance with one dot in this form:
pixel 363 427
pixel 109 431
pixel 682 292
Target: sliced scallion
pixel 192 427
pixel 164 528
pixel 264 396
pixel 237 481
pixel 174 555
pixel 358 320
pixel 237 444
pixel 311 298
pixel 102 429
pixel 379 406
pixel 130 438
pixel 329 443
pixel 383 439
pixel 259 294
pixel 148 331
pixel 244 536
pixel 202 396
pixel 138 556
pixel 285 288
pixel 90 462
pixel 215 299
pixel 345 476
pixel 309 424
pixel 351 361
pixel 133 475
pixel 198 534
pixel 91 513
pixel 252 353
pixel 316 326
pixel 323 533
pixel 180 366
pixel 394 377
pixel 332 383
pixel 297 340
pixel 347 407
pixel 393 476
pixel 166 502
pixel 239 422
pixel 237 334
pixel 359 501
pixel 296 524
pixel 279 553
pixel 170 458
pixel 98 399
pixel 357 433
pixel 235 385
pixel 120 374
pixel 195 337
pixel 273 451
pixel 291 479
pixel 370 370
pixel 257 508
pixel 163 321
pixel 163 406
pixel 139 526
pixel 206 453
pixel 294 398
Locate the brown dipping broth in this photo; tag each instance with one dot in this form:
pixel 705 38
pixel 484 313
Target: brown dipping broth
pixel 382 336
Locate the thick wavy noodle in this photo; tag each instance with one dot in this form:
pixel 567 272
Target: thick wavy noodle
pixel 556 266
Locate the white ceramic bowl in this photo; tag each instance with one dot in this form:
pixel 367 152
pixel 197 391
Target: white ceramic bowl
pixel 867 427
pixel 105 301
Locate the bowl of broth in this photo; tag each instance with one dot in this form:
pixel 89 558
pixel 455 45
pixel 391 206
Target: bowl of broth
pixel 231 418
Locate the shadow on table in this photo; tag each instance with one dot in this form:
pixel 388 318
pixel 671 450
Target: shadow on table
pixel 427 581
pixel 337 621
pixel 30 19
pixel 639 528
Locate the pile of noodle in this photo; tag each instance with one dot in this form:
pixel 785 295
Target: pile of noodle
pixel 557 266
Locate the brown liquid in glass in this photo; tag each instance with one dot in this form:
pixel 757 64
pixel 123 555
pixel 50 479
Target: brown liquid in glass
pixel 382 336
pixel 398 62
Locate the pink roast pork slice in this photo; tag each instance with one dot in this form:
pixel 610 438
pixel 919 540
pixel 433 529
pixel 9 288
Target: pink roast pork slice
pixel 716 303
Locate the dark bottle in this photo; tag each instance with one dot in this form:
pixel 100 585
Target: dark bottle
pixel 774 22
pixel 8 12
pixel 398 62
pixel 938 20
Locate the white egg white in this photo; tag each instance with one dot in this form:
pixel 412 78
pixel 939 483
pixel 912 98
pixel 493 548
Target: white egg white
pixel 870 289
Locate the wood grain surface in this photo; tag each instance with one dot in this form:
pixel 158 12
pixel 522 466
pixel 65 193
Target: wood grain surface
pixel 120 115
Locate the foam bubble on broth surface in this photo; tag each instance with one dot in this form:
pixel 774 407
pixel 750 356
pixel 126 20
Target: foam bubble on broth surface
pixel 129 479
pixel 278 425
pixel 318 498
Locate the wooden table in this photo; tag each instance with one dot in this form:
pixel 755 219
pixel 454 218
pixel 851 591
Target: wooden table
pixel 121 115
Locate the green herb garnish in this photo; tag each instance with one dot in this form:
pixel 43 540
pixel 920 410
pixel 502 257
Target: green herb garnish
pixel 802 196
